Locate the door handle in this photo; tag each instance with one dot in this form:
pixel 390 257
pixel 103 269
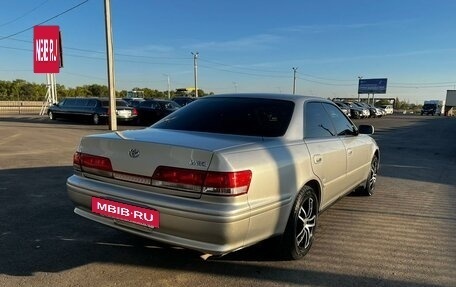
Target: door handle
pixel 317 159
pixel 349 151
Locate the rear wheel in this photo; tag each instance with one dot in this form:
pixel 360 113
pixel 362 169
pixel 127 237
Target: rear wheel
pixel 301 226
pixel 371 178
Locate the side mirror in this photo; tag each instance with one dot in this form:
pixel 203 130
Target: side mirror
pixel 366 129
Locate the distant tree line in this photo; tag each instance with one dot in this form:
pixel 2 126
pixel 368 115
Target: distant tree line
pixel 400 105
pixel 21 90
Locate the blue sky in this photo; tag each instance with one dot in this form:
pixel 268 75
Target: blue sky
pixel 245 46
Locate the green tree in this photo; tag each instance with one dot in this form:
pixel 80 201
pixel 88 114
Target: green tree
pixel 96 90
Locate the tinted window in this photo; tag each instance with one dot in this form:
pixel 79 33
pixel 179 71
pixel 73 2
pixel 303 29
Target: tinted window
pixel 69 102
pixel 342 125
pixel 149 104
pixel 121 103
pixel 238 116
pixel 92 103
pixel 80 102
pixel 169 105
pixel 317 122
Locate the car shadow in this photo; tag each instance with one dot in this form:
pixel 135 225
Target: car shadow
pixel 40 233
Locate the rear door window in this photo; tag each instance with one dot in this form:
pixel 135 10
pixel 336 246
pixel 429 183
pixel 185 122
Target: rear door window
pixel 342 125
pixel 317 122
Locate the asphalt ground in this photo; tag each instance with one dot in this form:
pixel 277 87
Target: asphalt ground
pixel 404 235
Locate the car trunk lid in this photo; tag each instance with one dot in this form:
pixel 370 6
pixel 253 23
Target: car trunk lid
pixel 135 155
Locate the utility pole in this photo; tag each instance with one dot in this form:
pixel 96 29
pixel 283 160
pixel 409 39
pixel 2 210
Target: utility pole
pixel 294 79
pixel 169 86
pixel 111 86
pixel 195 72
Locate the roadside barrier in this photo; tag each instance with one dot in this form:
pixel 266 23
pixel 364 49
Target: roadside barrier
pixel 20 107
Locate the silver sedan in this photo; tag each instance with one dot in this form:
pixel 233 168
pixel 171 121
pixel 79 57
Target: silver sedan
pixel 226 172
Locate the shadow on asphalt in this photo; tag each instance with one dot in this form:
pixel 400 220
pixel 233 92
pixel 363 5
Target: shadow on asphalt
pixel 40 233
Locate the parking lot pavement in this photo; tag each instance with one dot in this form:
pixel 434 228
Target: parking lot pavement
pixel 401 236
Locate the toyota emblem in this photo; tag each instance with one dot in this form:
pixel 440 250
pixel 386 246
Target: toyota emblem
pixel 134 153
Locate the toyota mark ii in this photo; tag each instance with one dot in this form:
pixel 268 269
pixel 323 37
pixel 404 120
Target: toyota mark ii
pixel 226 172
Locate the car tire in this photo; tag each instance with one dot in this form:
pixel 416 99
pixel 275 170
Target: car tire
pixel 95 119
pixel 369 187
pixel 302 223
pixel 51 116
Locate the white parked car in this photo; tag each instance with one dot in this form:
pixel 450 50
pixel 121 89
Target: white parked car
pixel 388 109
pixel 226 172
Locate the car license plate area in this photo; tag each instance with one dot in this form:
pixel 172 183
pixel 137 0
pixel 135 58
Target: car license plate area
pixel 126 212
pixel 124 113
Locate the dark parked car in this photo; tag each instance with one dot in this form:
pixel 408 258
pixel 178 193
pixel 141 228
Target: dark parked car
pixel 183 101
pixel 150 111
pixel 134 103
pixel 95 110
pixel 345 108
pixel 356 111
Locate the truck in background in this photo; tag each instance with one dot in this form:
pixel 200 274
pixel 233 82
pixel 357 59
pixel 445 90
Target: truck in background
pixel 433 107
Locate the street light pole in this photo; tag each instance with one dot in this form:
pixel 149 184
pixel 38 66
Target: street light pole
pixel 195 72
pixel 235 87
pixel 169 86
pixel 294 79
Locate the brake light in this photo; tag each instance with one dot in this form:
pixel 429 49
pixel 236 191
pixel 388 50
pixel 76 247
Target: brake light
pixel 216 183
pixel 77 161
pixel 209 182
pixel 134 112
pixel 227 183
pixel 92 163
pixel 178 178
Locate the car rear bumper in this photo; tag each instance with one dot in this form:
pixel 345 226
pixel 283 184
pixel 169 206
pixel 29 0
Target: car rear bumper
pixel 187 222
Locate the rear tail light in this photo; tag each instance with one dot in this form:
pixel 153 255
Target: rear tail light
pixel 227 183
pixel 93 164
pixel 216 183
pixel 179 178
pixel 190 180
pixel 134 112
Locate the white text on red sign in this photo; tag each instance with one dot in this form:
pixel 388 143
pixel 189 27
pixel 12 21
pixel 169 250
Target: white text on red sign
pixel 46 50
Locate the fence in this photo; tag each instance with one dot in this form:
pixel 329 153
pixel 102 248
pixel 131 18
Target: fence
pixel 20 107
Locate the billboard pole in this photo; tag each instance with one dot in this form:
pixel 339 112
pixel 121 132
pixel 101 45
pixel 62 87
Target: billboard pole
pixel 359 79
pixel 294 80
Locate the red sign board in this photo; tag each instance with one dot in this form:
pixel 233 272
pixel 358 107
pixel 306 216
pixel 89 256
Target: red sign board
pixel 46 49
pixel 126 212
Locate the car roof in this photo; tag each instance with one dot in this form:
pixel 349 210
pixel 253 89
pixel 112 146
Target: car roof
pixel 274 96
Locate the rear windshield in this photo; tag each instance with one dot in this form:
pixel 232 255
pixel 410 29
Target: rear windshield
pixel 119 103
pixel 237 116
